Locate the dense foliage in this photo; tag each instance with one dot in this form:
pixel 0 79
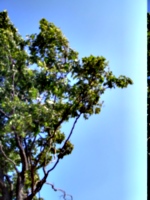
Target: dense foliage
pixel 42 85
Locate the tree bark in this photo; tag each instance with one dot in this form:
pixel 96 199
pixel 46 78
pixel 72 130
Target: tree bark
pixel 19 189
pixel 4 189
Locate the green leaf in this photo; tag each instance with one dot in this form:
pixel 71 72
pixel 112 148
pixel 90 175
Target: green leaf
pixel 97 110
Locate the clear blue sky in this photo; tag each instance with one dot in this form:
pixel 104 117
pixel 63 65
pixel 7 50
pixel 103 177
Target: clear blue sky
pixel 109 159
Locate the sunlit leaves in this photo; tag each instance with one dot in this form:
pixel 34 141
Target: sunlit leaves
pixel 66 150
pixel 97 110
pixel 59 137
pixel 33 92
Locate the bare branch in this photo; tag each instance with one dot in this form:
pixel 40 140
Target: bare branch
pixel 58 189
pixel 44 171
pixel 53 166
pixel 72 130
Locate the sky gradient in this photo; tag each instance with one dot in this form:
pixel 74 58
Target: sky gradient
pixel 109 158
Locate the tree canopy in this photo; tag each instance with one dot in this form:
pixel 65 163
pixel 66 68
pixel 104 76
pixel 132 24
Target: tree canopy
pixel 42 85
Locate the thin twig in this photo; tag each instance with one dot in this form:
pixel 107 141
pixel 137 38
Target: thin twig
pixel 58 189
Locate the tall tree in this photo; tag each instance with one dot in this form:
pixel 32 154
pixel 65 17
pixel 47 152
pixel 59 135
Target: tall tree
pixel 42 85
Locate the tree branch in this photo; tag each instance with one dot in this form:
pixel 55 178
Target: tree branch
pixel 72 129
pixel 43 180
pixel 65 142
pixel 10 183
pixel 38 188
pixel 58 189
pixel 14 164
pixel 4 113
pixel 22 154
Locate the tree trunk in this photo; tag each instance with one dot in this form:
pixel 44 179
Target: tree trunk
pixel 4 191
pixel 19 189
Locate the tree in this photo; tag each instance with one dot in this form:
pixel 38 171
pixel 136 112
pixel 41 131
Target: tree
pixel 42 85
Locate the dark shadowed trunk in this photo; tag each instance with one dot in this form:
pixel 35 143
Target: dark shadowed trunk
pixel 4 190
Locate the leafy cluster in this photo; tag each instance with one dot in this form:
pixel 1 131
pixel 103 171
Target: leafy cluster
pixel 42 85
